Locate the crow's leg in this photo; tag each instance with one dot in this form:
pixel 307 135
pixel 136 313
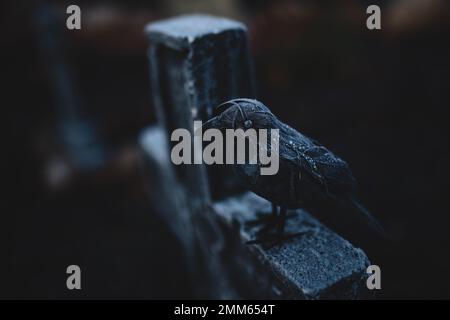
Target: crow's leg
pixel 274 211
pixel 271 239
pixel 271 222
pixel 266 221
pixel 281 221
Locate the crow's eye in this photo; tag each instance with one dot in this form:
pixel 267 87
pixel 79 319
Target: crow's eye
pixel 248 124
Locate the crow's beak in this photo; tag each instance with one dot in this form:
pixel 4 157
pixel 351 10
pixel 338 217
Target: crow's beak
pixel 213 123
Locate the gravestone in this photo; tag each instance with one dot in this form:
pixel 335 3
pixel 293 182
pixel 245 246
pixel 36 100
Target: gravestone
pixel 197 62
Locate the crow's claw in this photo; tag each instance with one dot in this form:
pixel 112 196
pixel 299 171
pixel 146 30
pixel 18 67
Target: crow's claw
pixel 274 239
pixel 267 220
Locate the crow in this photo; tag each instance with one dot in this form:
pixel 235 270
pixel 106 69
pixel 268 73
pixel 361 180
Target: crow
pixel 309 174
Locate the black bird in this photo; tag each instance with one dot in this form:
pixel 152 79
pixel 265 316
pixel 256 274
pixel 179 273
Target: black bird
pixel 309 174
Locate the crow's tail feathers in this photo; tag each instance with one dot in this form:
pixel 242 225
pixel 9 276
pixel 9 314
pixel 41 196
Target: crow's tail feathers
pixel 368 218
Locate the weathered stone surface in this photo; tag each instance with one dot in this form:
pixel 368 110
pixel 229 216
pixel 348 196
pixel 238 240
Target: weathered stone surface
pixel 315 264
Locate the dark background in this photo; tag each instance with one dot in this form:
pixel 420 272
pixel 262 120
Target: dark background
pixel 379 99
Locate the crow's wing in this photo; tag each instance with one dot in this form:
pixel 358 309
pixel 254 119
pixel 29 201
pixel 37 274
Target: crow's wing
pixel 317 160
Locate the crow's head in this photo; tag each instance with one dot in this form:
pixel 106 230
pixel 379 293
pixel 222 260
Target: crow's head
pixel 241 114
